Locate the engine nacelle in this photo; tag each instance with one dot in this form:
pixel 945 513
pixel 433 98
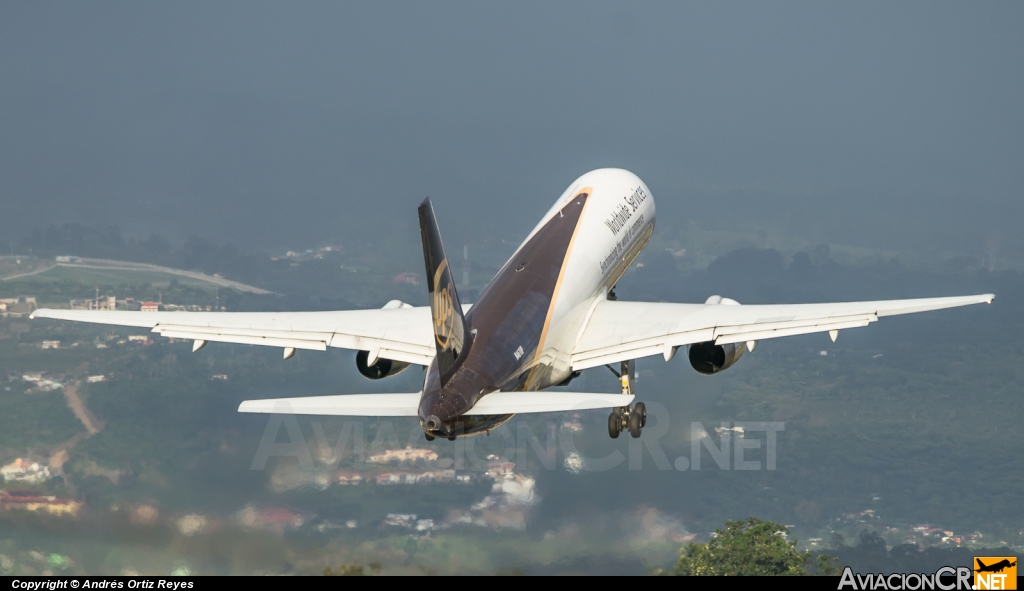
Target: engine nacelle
pixel 708 358
pixel 382 368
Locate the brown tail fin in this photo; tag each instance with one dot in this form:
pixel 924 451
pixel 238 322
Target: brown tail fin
pixel 450 331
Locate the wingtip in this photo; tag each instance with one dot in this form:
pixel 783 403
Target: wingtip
pixel 41 313
pixel 989 298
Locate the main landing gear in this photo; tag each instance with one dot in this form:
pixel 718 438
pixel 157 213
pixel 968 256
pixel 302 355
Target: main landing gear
pixel 625 418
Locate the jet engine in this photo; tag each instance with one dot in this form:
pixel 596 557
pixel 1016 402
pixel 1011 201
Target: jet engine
pixel 382 368
pixel 708 358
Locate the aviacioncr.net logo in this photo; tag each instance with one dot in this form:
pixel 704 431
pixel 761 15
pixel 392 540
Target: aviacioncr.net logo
pixel 946 578
pixel 995 572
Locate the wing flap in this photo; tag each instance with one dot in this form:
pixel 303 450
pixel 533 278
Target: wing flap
pixel 396 349
pixel 756 335
pixel 202 331
pixel 771 324
pixel 247 340
pixel 405 356
pixel 639 348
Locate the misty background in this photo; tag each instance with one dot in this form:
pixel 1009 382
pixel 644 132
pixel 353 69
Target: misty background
pixel 269 126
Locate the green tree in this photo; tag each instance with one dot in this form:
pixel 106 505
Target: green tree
pixel 751 547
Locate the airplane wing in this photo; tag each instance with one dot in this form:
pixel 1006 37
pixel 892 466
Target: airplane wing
pixel 406 405
pixel 398 331
pixel 620 331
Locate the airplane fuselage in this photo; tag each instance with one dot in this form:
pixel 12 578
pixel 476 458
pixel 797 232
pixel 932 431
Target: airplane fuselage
pixel 526 321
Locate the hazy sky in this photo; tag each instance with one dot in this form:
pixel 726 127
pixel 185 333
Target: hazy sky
pixel 269 124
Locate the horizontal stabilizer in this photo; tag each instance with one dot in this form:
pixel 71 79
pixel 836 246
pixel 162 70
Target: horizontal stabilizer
pixel 406 405
pixel 352 405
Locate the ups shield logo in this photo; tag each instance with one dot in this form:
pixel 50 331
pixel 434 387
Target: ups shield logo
pixel 995 572
pixel 442 305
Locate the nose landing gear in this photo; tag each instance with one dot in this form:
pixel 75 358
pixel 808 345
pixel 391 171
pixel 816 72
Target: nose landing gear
pixel 624 418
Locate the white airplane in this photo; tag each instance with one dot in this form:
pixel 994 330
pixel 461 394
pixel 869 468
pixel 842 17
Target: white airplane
pixel 547 315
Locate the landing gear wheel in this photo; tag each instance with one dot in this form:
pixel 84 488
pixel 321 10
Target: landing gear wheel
pixel 641 410
pixel 428 436
pixel 635 424
pixel 614 424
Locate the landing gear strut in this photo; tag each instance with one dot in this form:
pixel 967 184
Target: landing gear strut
pixel 624 418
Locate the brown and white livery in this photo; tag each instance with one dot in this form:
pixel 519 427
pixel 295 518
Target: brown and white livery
pixel 547 315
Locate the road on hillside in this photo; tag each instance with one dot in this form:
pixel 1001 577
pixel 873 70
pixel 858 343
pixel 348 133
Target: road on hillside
pixel 109 265
pixel 92 425
pixel 127 266
pixel 20 275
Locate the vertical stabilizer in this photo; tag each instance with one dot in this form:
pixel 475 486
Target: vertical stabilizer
pixel 450 333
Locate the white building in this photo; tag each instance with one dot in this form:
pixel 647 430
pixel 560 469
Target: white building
pixel 100 303
pixel 24 471
pixel 400 519
pixel 403 455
